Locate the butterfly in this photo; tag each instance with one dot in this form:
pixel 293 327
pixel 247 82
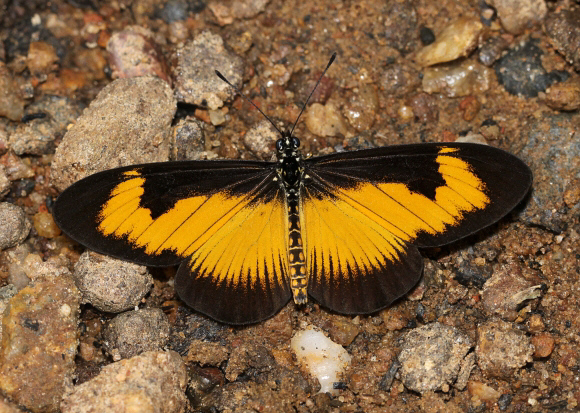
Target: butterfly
pixel 248 236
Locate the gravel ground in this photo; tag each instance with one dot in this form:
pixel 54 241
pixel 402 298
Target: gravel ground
pixel 90 85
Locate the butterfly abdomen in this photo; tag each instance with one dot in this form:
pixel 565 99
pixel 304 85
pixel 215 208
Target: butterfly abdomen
pixel 297 263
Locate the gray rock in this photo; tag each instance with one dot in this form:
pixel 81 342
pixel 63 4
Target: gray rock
pixel 432 357
pixel 135 332
pixel 129 122
pixel 110 284
pixel 501 349
pixel 153 381
pixel 195 78
pixel 15 225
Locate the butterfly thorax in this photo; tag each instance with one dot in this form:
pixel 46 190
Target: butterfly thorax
pixel 290 172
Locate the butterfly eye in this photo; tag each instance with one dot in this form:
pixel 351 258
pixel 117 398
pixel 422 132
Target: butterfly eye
pixel 279 145
pixel 295 143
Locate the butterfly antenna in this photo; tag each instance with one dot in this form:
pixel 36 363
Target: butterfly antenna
pixel 238 91
pixel 313 89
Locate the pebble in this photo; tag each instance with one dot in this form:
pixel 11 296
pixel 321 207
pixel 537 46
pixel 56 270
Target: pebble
pixel 6 293
pixel 505 292
pixel 399 80
pixel 260 139
pixel 188 141
pixel 426 35
pixel 195 78
pixel 564 96
pixel 325 120
pixel 173 10
pixel 520 70
pixel 44 225
pixel 492 49
pixel 129 122
pixel 551 177
pixel 4 182
pixel 39 343
pixel 152 382
pixel 400 21
pixel 342 330
pixel 15 167
pixel 320 356
pixel 227 11
pixel 37 136
pixel 302 84
pixel 11 101
pixel 457 79
pixel 135 332
pixel 109 284
pixel 424 107
pixel 15 225
pixel 455 41
pixel 482 393
pixel 207 353
pixel 134 52
pixel 432 357
pixel 517 15
pixel 501 349
pixel 41 58
pixel 361 107
pixel 563 29
pixel 543 345
pixel 202 381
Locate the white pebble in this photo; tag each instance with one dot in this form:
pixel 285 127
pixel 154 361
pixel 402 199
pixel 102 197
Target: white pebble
pixel 320 356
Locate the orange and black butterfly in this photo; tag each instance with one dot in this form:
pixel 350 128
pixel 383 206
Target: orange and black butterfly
pixel 343 228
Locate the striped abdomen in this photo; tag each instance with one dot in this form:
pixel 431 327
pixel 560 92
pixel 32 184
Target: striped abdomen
pixel 297 263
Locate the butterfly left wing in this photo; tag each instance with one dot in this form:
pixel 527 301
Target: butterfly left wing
pixel 225 221
pixel 367 211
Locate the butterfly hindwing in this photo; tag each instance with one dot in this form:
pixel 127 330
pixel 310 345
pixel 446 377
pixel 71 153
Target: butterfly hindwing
pixel 363 209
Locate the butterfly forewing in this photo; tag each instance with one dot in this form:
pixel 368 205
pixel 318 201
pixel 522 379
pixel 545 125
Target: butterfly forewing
pixel 225 221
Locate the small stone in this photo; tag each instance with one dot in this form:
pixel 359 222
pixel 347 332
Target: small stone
pixel 207 353
pixel 15 225
pixel 303 82
pixel 431 357
pixel 109 284
pixel 134 52
pixel 563 29
pixel 320 356
pixel 426 35
pixel 11 101
pixel 195 78
pixel 361 107
pixel 424 107
pixel 506 290
pixel 188 141
pixel 260 139
pixel 173 10
pixel 535 323
pixel 129 122
pixel 398 80
pixel 93 61
pixel 492 49
pixel 153 381
pixel 563 96
pixel 41 58
pixel 482 393
pixel 135 332
pixel 501 349
pixel 217 117
pixel 457 40
pixel 39 342
pixel 325 120
pixel 341 330
pixel 458 79
pixel 15 167
pixel 543 345
pixel 520 70
pixel 400 20
pixel 44 225
pixel 518 15
pixel 51 117
pixel 227 11
pixel 4 182
pixel 470 107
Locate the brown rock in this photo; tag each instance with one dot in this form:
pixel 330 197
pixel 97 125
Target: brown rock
pixel 41 58
pixel 11 101
pixel 39 342
pixel 517 15
pixel 501 349
pixel 543 345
